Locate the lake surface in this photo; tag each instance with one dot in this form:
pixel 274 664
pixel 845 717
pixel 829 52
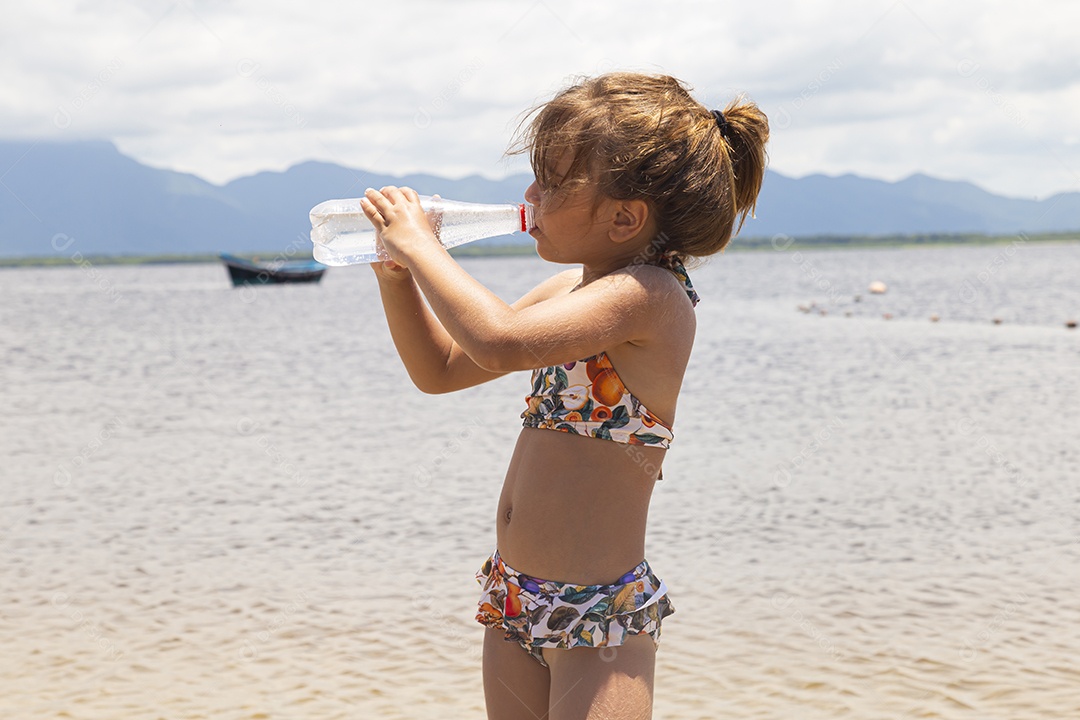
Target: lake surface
pixel 223 503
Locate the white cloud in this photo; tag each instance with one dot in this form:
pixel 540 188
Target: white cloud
pixel 981 91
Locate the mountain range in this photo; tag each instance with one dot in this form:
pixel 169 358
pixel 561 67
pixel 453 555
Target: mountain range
pixel 88 197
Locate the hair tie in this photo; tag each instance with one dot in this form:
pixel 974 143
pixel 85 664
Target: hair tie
pixel 722 123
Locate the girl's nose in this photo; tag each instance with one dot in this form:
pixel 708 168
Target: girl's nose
pixel 532 194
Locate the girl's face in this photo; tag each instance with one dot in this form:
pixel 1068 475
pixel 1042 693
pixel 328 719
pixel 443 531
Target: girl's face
pixel 566 227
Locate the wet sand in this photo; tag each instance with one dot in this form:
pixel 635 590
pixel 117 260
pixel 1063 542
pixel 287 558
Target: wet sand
pixel 220 505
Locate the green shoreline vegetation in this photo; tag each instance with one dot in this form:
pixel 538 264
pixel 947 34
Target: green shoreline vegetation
pixel 777 243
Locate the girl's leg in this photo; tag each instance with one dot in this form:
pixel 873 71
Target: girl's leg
pixel 609 683
pixel 515 685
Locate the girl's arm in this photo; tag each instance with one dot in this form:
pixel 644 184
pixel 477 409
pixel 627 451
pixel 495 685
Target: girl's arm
pixel 424 346
pixel 632 304
pixel 435 363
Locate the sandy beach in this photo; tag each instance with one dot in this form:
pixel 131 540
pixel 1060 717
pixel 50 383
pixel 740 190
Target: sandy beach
pixel 234 506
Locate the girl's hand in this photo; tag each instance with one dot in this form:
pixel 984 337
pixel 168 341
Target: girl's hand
pixel 400 221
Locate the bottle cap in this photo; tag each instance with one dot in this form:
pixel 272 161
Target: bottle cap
pixel 526 216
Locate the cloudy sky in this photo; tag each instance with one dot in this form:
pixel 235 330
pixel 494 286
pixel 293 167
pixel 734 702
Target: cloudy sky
pixel 985 91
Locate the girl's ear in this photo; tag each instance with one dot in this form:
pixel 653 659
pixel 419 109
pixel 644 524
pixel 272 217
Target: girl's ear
pixel 629 218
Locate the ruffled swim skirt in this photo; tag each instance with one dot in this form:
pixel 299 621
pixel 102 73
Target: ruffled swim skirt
pixel 541 613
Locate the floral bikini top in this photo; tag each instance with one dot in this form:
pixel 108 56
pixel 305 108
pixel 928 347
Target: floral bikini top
pixel 587 397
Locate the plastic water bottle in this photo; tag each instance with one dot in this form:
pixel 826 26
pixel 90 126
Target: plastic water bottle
pixel 343 235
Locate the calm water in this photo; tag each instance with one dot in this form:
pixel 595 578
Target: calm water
pixel 232 504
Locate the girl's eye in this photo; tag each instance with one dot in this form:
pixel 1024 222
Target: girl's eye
pixel 545 187
pixel 547 190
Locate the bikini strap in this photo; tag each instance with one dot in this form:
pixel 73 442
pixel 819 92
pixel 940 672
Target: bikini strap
pixel 670 261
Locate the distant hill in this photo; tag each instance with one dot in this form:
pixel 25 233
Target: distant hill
pixel 88 197
pixel 852 205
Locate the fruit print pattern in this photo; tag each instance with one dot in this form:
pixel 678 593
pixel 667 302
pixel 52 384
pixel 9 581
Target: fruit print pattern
pixel 587 397
pixel 540 613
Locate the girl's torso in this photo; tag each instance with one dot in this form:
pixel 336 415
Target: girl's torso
pixel 574 508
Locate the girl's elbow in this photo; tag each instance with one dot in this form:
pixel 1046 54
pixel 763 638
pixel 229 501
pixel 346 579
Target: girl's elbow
pixel 432 389
pixel 430 386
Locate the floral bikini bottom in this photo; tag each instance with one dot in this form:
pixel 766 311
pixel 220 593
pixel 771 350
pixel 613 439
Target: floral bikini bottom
pixel 540 613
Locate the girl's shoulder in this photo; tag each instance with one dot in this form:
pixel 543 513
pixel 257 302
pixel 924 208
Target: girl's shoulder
pixel 558 284
pixel 654 283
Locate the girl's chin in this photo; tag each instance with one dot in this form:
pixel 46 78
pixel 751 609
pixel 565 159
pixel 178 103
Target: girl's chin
pixel 542 247
pixel 546 252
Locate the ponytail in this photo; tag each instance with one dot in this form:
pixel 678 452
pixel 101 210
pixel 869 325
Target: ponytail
pixel 747 134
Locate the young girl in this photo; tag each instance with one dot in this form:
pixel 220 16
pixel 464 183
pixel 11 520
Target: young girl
pixel 633 176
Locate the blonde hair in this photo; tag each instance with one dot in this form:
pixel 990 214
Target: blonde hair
pixel 644 137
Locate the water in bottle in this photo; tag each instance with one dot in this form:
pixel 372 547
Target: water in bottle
pixel 343 235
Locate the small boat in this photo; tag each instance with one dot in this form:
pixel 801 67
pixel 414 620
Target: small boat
pixel 252 272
